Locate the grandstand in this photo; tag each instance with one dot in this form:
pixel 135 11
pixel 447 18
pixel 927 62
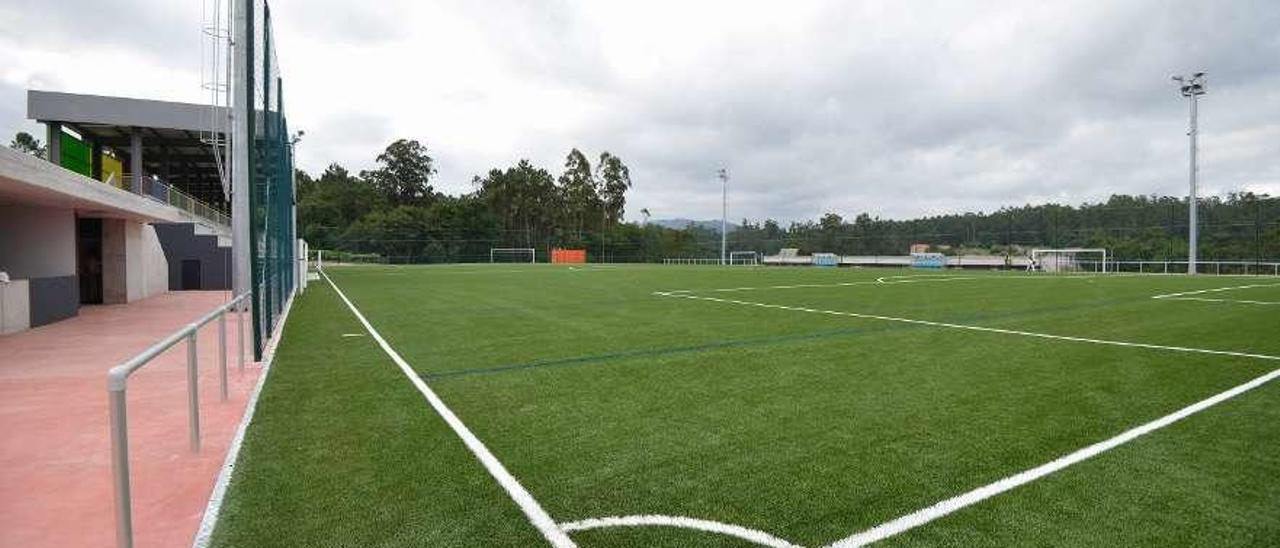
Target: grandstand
pixel 152 237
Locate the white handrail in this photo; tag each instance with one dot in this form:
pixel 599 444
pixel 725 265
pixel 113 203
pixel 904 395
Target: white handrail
pixel 117 384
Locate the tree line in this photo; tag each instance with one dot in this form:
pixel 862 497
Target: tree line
pixel 1239 226
pixel 393 213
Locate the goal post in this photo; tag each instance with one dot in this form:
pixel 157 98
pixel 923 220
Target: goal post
pixel 513 255
pixel 750 258
pixel 1070 259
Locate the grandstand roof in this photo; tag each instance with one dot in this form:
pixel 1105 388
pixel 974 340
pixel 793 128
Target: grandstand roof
pixel 170 134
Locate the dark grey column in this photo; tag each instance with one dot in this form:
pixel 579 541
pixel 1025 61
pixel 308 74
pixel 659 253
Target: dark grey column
pixel 135 159
pixel 95 161
pixel 55 142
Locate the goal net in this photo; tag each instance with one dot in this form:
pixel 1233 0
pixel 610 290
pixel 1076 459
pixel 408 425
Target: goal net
pixel 512 255
pixel 744 258
pixel 1069 260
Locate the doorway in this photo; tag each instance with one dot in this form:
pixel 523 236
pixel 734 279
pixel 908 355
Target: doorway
pixel 89 259
pixel 191 275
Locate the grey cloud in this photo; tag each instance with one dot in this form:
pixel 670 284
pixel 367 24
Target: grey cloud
pixel 13 114
pixel 889 108
pixel 156 30
pixel 345 22
pixel 857 133
pixel 547 40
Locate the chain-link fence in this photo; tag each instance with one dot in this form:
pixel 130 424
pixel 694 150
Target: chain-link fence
pixel 271 225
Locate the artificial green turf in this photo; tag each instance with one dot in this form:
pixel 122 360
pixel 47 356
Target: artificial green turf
pixel 345 452
pixel 606 399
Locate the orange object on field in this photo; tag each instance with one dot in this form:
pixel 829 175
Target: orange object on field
pixel 568 255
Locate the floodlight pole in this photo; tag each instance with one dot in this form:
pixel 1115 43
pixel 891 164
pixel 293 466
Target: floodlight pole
pixel 1192 87
pixel 241 276
pixel 724 215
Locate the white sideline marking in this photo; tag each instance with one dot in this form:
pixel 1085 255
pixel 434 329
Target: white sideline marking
pixel 211 510
pixel 1183 295
pixel 518 493
pixel 759 537
pixel 974 327
pixel 923 516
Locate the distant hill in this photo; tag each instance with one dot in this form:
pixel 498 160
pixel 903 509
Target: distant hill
pixel 681 224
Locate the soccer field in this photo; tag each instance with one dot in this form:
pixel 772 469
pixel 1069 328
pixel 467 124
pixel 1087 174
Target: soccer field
pixel 650 405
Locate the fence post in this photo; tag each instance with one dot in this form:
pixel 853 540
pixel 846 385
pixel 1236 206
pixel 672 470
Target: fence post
pixel 120 468
pixel 222 352
pixel 193 391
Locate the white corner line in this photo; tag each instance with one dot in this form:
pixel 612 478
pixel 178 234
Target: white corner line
pixel 917 278
pixel 745 533
pixel 212 510
pixel 925 515
pixel 537 516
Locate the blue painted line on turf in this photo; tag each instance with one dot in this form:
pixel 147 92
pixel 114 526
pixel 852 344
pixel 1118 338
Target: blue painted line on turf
pixel 755 341
pixel 653 352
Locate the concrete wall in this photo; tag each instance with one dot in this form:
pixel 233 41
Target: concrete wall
pixel 37 242
pixel 134 266
pixel 148 268
pixel 115 281
pixel 15 307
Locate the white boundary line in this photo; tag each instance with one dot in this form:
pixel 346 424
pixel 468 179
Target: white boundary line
pixel 1183 295
pixel 972 327
pixel 212 510
pixel 1237 301
pixel 752 535
pixel 883 280
pixel 916 278
pixel 948 506
pixel 537 516
pixel 923 516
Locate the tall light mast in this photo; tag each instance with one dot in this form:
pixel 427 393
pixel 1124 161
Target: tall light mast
pixel 1192 87
pixel 724 215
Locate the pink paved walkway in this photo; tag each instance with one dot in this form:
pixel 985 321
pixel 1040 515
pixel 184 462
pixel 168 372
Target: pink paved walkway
pixel 55 461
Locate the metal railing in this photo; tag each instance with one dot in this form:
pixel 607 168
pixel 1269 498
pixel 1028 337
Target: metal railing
pixel 154 188
pixel 117 384
pixel 1217 268
pixel 688 261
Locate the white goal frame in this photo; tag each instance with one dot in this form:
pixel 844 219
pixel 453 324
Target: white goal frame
pixel 533 253
pixel 1073 251
pixel 748 258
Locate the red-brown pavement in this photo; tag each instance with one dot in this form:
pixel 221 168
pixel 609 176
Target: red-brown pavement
pixel 55 460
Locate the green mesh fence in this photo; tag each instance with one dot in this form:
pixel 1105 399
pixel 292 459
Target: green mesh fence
pixel 271 226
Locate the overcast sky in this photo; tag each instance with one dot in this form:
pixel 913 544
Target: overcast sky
pixel 893 108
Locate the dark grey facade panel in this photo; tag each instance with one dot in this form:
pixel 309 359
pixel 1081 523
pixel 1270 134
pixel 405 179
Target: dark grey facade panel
pixel 53 299
pixel 180 243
